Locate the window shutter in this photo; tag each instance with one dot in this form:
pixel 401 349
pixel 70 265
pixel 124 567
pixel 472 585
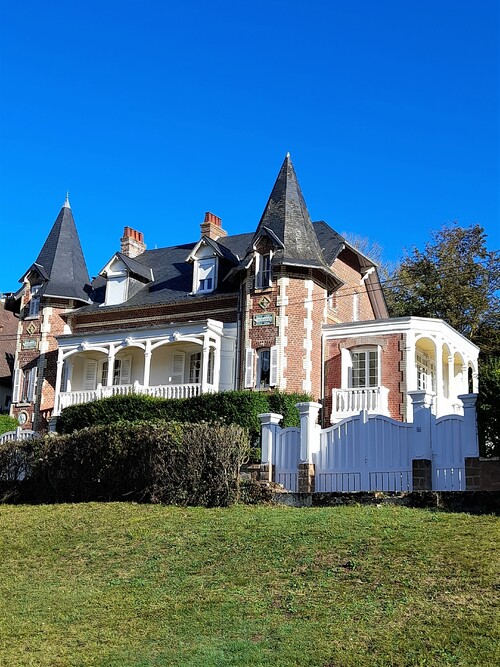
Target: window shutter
pixel 16 385
pixel 32 384
pixel 249 356
pixel 178 359
pixel 273 376
pixel 90 375
pixel 125 370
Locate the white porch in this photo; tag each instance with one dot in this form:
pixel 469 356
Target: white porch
pixel 180 361
pixel 423 354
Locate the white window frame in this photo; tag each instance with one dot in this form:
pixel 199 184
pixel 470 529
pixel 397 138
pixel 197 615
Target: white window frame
pixel 347 360
pixel 263 270
pixel 271 371
pixel 426 371
pixel 116 289
pixel 195 363
pixel 34 302
pixel 122 368
pixel 29 381
pixel 207 266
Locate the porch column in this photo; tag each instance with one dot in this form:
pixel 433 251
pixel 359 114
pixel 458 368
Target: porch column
pixel 111 366
pixel 204 365
pixel 309 444
pixel 439 377
pixel 147 364
pixel 411 375
pixel 451 380
pixel 60 364
pixel 217 361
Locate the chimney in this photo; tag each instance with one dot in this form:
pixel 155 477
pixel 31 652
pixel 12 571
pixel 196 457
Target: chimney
pixel 132 242
pixel 212 227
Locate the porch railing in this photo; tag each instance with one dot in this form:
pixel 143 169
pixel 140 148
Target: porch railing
pixel 68 398
pixel 350 402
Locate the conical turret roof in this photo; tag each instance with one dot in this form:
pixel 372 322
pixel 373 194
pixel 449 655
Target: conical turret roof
pixel 61 262
pixel 287 217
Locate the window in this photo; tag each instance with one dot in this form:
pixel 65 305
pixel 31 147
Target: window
pixel 263 271
pixel 116 289
pixel 267 367
pixel 211 365
pixel 195 368
pixel 29 385
pixel 34 304
pixel 426 372
pixel 206 275
pixel 263 367
pixel 97 372
pixel 365 368
pixel 332 300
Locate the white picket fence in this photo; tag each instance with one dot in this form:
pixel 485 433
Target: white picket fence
pixel 372 452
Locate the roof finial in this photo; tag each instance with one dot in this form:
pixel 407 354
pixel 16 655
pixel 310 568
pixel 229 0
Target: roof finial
pixel 288 154
pixel 66 202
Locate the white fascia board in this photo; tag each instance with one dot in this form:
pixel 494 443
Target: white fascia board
pixel 415 325
pixel 139 335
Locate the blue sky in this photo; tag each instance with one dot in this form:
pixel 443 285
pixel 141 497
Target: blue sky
pixel 151 113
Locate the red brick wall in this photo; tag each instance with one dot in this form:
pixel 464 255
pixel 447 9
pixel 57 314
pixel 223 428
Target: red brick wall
pixel 222 308
pixel 31 329
pixel 392 368
pixel 346 267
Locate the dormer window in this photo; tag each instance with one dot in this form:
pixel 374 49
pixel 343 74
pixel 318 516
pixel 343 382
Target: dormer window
pixel 263 271
pixel 117 276
pixel 34 304
pixel 116 289
pixel 206 275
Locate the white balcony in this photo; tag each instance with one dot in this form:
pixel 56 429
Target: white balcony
pixel 68 398
pixel 350 402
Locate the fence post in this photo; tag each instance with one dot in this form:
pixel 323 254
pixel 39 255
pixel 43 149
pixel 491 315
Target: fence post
pixel 421 440
pixel 470 441
pixel 309 444
pixel 269 431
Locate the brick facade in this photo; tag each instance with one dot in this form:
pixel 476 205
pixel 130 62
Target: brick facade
pixel 391 364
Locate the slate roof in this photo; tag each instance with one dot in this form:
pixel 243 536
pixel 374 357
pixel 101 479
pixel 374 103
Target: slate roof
pixel 298 242
pixel 286 215
pixel 61 262
pixel 173 275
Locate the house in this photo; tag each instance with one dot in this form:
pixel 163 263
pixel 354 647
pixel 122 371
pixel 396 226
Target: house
pixel 291 305
pixel 8 336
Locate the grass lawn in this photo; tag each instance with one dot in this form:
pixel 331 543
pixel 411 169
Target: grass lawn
pixel 124 585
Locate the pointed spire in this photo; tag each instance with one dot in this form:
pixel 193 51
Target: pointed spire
pixel 66 202
pixel 286 215
pixel 61 260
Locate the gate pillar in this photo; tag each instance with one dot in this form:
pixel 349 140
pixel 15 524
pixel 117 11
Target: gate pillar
pixel 269 429
pixel 309 445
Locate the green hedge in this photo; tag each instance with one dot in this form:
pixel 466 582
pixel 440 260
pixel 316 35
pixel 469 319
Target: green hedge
pixel 7 424
pixel 167 462
pixel 230 407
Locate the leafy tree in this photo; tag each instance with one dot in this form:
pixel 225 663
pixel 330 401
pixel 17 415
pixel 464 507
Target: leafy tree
pixel 454 278
pixel 488 406
pixel 457 279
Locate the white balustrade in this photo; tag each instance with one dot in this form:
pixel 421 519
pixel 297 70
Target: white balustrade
pixel 349 402
pixel 159 391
